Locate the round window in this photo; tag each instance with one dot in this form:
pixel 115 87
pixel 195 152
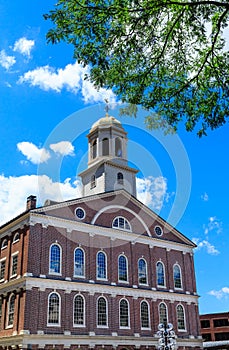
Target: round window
pixel 80 213
pixel 158 230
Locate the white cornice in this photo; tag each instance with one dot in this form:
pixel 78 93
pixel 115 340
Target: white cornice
pixel 71 225
pixel 14 225
pixel 93 288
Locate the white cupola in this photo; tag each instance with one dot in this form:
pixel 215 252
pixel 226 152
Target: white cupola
pixel 108 168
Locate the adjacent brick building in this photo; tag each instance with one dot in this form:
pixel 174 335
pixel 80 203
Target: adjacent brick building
pixel 98 272
pixel 215 330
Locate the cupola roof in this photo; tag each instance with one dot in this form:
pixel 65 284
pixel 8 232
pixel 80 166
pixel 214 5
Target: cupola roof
pixel 107 121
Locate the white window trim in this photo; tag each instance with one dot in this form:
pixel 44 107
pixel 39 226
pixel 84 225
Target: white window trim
pixel 160 285
pixel 59 311
pixel 84 213
pixel 185 328
pixel 181 288
pixel 8 308
pixel 101 326
pixel 120 228
pixel 4 240
pixel 11 267
pixel 1 260
pixel 79 276
pixel 51 272
pixel 124 327
pixel 147 283
pixel 127 269
pixel 166 310
pixel 16 240
pixel 100 278
pixel 145 328
pixel 84 308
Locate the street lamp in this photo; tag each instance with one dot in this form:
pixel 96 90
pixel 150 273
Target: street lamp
pixel 166 336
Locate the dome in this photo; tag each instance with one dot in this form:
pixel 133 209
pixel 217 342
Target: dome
pixel 107 121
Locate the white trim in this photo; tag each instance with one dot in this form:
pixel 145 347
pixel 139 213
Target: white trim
pixel 160 285
pixel 5 240
pixel 181 330
pixel 11 265
pixel 149 320
pixel 84 213
pixel 1 260
pixel 74 275
pixel 84 308
pixel 101 278
pixel 102 210
pixel 124 327
pixel 162 302
pixel 59 311
pixel 16 240
pixel 52 272
pixel 125 221
pixel 143 284
pixel 181 281
pixel 97 301
pixel 127 269
pixel 8 309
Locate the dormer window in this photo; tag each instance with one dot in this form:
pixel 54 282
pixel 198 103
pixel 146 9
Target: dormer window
pixel 121 224
pixel 120 178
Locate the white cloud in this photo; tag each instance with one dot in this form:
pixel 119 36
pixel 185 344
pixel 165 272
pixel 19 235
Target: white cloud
pixel 24 46
pixel 64 148
pixel 213 225
pixel 151 191
pixel 15 190
pixel 204 197
pixel 33 153
pixel 6 61
pixel 205 245
pixel 219 294
pixel 71 78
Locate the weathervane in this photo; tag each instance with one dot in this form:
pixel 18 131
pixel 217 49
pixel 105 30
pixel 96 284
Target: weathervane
pixel 107 107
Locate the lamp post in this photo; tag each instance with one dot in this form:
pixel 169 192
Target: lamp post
pixel 166 336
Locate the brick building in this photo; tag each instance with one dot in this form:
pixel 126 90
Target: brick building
pixel 215 330
pixel 101 271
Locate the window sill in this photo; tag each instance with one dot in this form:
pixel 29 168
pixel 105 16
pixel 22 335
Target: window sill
pixel 124 327
pixel 13 276
pixel 145 329
pixel 79 325
pixel 53 325
pixel 78 276
pixel 106 327
pixel 8 327
pixel 55 273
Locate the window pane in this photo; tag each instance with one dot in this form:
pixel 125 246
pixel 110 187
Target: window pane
pixel 79 263
pixel 55 259
pixel 177 276
pixel 124 314
pixel 101 265
pixel 162 313
pixel 11 310
pixel 79 310
pixel 2 269
pixel 14 265
pixel 142 277
pixel 144 315
pixel 102 312
pixel 53 311
pixel 160 274
pixel 180 318
pixel 122 268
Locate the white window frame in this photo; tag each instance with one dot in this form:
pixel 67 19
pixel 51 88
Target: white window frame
pixel 101 278
pixel 8 309
pixel 127 269
pixel 178 288
pixel 79 276
pixel 143 284
pixel 166 311
pixel 160 285
pixel 11 265
pixel 16 237
pixel 59 311
pixel 97 308
pixel 4 244
pixel 1 260
pixel 145 328
pixel 124 327
pixel 178 329
pixel 84 308
pixel 121 228
pixel 52 272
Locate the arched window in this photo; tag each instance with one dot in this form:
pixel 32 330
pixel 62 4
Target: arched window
pixel 4 244
pixel 102 312
pixel 121 223
pixel 55 259
pixel 142 271
pixel 180 318
pixel 16 237
pixel 93 181
pixel 101 265
pixel 160 274
pixel 145 315
pixel 79 263
pixel 94 149
pixel 118 147
pixel 11 307
pixel 105 147
pixel 122 269
pixel 79 311
pixel 163 313
pixel 124 314
pixel 177 276
pixel 54 309
pixel 120 178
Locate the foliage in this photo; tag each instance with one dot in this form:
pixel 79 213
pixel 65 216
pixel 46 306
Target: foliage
pixel 167 56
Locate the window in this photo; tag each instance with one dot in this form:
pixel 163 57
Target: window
pixel 11 307
pixel 205 324
pixel 94 149
pixel 2 269
pixel 121 223
pixel 144 314
pixel 93 181
pixel 105 147
pixel 180 318
pixel 122 269
pixel 163 313
pixel 4 244
pixel 101 265
pixel 160 274
pixel 1 312
pixel 142 271
pixel 124 314
pixel 16 237
pixel 158 230
pixel 102 312
pixel 207 337
pixel 79 263
pixel 14 265
pixel 118 147
pixel 222 336
pixel 223 322
pixel 120 178
pixel 53 309
pixel 177 276
pixel 80 213
pixel 55 259
pixel 79 311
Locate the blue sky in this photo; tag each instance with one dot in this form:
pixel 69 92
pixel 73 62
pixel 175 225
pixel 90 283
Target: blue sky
pixel 46 110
